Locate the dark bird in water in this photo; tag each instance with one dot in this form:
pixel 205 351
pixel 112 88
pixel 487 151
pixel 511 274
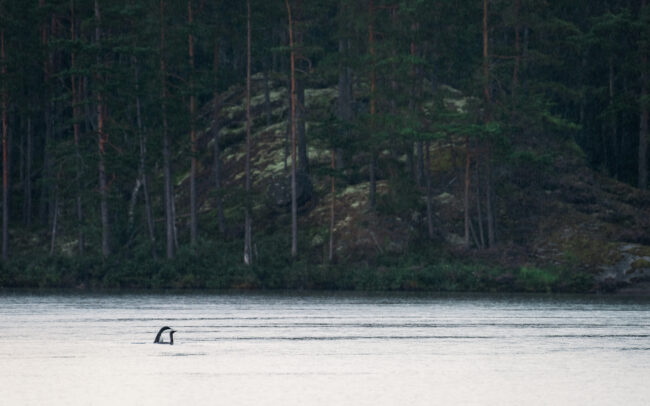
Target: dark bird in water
pixel 159 340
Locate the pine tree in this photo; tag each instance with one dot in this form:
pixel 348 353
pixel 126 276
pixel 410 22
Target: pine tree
pixel 643 100
pixel 248 243
pixel 193 140
pixel 5 149
pixel 294 205
pixel 76 128
pixel 170 222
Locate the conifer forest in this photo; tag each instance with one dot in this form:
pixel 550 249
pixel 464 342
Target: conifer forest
pixel 331 144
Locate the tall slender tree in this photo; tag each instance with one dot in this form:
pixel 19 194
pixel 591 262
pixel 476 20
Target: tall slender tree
pixel 102 137
pixel 142 143
pixel 44 198
pixel 193 140
pixel 487 155
pixel 216 127
pixel 294 204
pixel 5 151
pixel 515 71
pixel 372 165
pixel 170 232
pixel 76 128
pixel 643 116
pixel 344 101
pixel 29 148
pixel 468 178
pixel 248 238
pixel 332 202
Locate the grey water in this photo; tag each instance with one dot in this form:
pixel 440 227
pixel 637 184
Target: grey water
pixel 324 349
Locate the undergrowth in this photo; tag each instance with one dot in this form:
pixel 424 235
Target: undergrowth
pixel 218 265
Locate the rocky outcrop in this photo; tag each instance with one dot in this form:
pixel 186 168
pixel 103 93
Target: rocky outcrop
pixel 552 209
pixel 279 192
pixel 632 267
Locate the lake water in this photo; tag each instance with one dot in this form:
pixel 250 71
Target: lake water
pixel 324 349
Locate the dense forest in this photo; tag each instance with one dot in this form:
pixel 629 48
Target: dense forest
pixel 199 143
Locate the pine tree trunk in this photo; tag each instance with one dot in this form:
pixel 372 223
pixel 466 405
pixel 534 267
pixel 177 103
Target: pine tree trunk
pixel 643 118
pixel 515 71
pixel 42 201
pixel 373 180
pixel 491 219
pixel 142 163
pixel 614 124
pixel 294 205
pixel 303 158
pixel 287 133
pixel 410 159
pixel 248 243
pixel 486 71
pixel 167 173
pixel 76 132
pixel 102 141
pixel 429 193
pixel 420 164
pixel 373 89
pixel 193 142
pixel 217 153
pixel 479 211
pixel 487 155
pixel 333 197
pixel 267 97
pixel 46 190
pixel 55 215
pixel 345 89
pixel 468 162
pixel 174 226
pixel 5 153
pixel 28 174
pixel 417 166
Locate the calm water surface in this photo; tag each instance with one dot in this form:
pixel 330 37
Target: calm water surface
pixel 272 349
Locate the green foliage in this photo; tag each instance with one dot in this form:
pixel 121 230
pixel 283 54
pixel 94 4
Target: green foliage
pixel 531 160
pixel 532 279
pixel 574 74
pixel 212 265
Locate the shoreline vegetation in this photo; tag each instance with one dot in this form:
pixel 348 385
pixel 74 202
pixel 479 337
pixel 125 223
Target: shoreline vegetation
pixel 211 267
